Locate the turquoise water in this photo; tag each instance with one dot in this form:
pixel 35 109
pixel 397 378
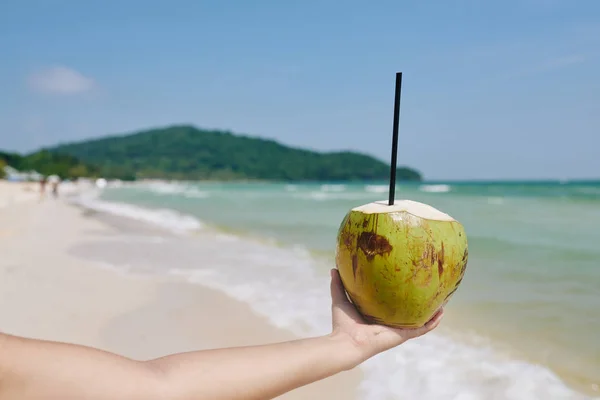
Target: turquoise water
pixel 532 282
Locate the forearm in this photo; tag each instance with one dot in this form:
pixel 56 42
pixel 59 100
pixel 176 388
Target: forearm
pixel 32 369
pixel 43 370
pixel 254 373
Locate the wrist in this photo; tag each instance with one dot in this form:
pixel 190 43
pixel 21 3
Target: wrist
pixel 349 350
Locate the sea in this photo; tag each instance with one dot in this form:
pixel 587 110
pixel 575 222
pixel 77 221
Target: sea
pixel 524 324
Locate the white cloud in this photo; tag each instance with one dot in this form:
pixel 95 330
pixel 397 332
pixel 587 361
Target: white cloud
pixel 564 61
pixel 60 80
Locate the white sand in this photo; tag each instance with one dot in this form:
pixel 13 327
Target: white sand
pixel 17 192
pixel 48 293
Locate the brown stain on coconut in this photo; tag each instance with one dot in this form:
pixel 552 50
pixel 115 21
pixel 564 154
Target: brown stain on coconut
pixel 424 264
pixel 440 261
pixel 372 244
pixel 463 265
pixel 354 265
pixel 346 235
pixel 347 239
pixel 464 261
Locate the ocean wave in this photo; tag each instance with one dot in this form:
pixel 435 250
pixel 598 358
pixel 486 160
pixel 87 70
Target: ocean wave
pixel 175 188
pixel 377 188
pixel 324 189
pixel 330 196
pixel 164 217
pixel 333 188
pixel 435 188
pixel 284 285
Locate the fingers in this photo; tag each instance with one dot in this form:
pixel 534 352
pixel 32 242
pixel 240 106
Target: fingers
pixel 428 327
pixel 435 320
pixel 338 294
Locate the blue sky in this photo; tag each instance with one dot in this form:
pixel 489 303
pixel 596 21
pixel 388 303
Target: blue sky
pixel 491 89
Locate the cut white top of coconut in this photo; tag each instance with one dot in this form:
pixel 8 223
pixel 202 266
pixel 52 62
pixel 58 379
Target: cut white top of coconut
pixel 415 208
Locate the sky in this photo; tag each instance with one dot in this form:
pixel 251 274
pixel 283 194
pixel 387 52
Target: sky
pixel 491 89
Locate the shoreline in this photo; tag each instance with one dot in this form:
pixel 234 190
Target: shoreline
pixel 119 231
pixel 513 353
pixel 516 353
pixel 68 298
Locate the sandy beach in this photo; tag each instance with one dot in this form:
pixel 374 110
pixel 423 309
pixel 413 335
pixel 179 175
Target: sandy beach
pixel 51 290
pixel 15 193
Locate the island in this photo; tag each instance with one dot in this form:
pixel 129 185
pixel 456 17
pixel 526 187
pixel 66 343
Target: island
pixel 184 152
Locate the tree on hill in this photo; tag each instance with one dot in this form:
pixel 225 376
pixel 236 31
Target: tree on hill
pixel 49 163
pixel 185 152
pixel 13 159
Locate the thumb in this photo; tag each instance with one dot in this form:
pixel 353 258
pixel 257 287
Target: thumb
pixel 338 293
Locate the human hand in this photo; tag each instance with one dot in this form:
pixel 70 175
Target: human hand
pixel 368 339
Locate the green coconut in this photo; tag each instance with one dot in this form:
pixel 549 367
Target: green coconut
pixel 401 263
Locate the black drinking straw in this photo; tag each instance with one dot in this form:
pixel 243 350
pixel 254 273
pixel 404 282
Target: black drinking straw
pixel 395 138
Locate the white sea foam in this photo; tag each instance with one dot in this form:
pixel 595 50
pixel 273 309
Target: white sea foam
pixel 329 196
pixel 333 188
pixel 165 218
pixel 284 285
pixel 377 188
pixel 435 188
pixel 175 188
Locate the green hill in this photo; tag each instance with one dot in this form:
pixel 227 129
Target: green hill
pixel 185 152
pixel 48 163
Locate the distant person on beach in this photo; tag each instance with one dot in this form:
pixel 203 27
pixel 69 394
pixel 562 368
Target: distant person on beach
pixel 36 369
pixel 54 181
pixel 43 183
